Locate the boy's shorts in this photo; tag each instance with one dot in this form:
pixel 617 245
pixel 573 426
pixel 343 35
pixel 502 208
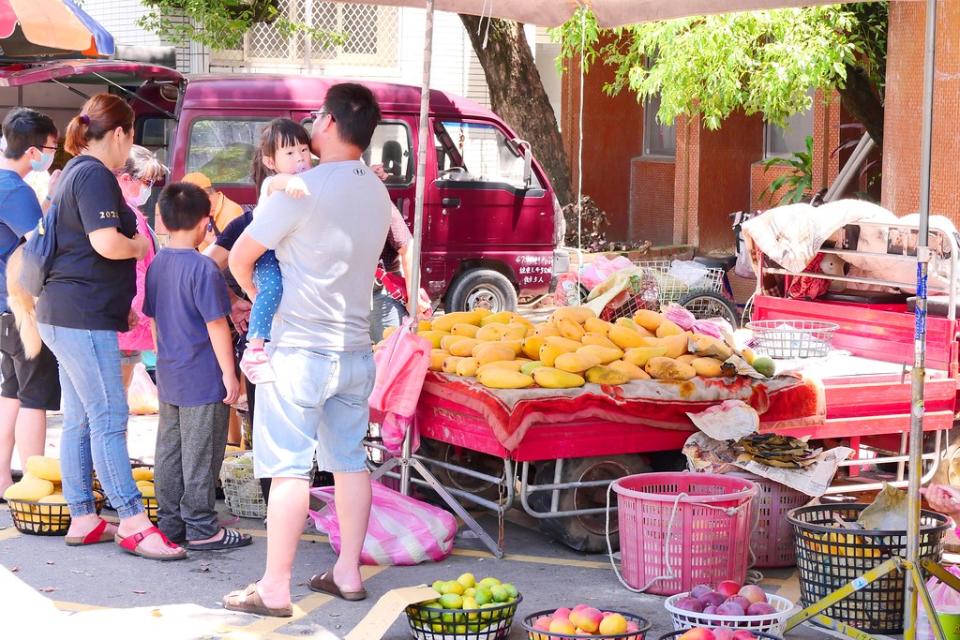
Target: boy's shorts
pixel 317 404
pixel 35 382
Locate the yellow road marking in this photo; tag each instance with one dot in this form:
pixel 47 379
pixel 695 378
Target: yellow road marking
pixel 75 606
pixel 262 533
pixel 583 564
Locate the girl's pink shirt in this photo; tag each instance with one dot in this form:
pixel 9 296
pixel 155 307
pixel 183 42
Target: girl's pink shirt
pixel 140 338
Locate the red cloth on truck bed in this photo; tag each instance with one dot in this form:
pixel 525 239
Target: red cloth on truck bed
pixel 782 402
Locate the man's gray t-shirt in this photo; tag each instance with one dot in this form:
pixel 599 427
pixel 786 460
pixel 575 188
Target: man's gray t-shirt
pixel 328 244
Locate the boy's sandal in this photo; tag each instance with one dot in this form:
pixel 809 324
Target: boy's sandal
pixel 131 544
pixel 248 600
pixel 324 583
pixel 232 539
pixel 97 535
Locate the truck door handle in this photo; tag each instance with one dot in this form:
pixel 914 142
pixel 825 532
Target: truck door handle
pixel 451 202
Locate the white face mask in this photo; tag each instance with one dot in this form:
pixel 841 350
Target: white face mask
pixel 144 196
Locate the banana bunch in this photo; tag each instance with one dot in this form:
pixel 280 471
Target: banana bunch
pixel 506 351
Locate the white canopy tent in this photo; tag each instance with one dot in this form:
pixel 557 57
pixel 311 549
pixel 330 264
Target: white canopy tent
pixel 614 13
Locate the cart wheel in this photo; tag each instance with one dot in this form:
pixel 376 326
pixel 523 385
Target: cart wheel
pixel 584 533
pixel 474 460
pixel 709 304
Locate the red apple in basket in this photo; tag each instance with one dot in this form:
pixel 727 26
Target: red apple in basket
pixel 723 633
pixel 713 598
pixel 700 590
pixel 689 604
pixel 740 600
pixel 730 609
pixel 698 633
pixel 728 588
pixel 753 593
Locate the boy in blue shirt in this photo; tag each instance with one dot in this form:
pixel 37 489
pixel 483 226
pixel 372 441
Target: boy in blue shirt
pixel 186 300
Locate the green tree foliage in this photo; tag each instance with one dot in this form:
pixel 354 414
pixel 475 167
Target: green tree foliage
pixel 762 62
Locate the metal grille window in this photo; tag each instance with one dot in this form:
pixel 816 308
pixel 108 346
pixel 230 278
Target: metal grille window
pixel 364 35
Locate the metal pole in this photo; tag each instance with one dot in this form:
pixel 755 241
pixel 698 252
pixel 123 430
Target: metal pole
pixel 920 329
pixel 413 279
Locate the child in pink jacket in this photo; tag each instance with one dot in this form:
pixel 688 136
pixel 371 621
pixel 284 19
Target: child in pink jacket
pixel 136 179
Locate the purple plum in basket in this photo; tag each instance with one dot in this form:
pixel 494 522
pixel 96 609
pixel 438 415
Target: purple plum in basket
pixel 710 610
pixel 689 604
pixel 730 609
pixel 712 598
pixel 700 590
pixel 723 633
pixel 760 609
pixel 740 600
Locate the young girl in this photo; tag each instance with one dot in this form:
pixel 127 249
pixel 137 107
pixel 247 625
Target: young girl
pixel 284 152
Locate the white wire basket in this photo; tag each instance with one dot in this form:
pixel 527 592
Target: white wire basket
pixel 774 623
pixel 241 490
pixel 785 339
pixel 659 286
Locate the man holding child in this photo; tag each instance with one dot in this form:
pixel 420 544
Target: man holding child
pixel 328 244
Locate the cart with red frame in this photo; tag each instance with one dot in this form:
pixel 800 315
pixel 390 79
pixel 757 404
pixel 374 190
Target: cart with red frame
pixel 558 469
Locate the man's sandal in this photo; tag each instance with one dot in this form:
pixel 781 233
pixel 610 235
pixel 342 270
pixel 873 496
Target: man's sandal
pixel 232 539
pixel 131 544
pixel 248 600
pixel 96 536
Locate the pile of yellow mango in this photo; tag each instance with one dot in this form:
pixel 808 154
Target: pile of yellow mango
pixel 843 544
pixel 41 487
pixel 506 351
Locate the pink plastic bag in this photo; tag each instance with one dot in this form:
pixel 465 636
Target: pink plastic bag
pixel 402 364
pixel 402 530
pixel 945 600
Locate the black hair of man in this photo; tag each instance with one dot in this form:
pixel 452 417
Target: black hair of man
pixel 24 128
pixel 355 110
pixel 183 205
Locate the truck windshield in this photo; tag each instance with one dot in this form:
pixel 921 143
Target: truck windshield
pixel 487 154
pixel 155 133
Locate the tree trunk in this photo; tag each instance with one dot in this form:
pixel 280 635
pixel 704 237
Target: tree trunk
pixel 518 96
pixel 861 101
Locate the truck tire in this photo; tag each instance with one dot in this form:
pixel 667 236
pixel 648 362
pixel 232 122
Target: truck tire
pixel 584 533
pixel 491 465
pixel 482 288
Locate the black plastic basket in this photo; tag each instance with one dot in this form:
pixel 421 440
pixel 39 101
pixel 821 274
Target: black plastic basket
pixel 828 557
pixel 98 487
pixel 491 623
pixel 37 519
pixel 539 634
pixel 757 634
pixel 150 507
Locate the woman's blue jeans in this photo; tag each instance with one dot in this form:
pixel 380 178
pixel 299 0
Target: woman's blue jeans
pixel 94 420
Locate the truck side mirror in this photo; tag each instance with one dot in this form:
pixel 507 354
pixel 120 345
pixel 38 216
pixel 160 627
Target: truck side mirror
pixel 527 151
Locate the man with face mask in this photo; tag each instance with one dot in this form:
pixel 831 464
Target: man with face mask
pixel 29 387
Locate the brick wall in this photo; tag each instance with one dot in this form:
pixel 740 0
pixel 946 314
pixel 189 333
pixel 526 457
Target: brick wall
pixel 651 199
pixel 613 136
pixel 904 96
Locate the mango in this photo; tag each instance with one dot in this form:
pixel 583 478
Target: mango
pixel 448 320
pixel 463 347
pixel 708 346
pixel 600 340
pixel 707 367
pixel 669 369
pixel 465 330
pixel 142 473
pixel 596 325
pixel 491 332
pixel 648 319
pixel 668 328
pixel 503 317
pixel 482 312
pixel 53 498
pixel 510 365
pixel 546 330
pixel 433 337
pixel 675 344
pixel 576 314
pixel 467 368
pixel 570 330
pixel 496 378
pixel 564 344
pixel 447 341
pixel 625 338
pixel 575 362
pixel 450 364
pixel 147 489
pixel 631 370
pixel 749 355
pixel 516 345
pixel 29 488
pixel 424 325
pixel 550 378
pixel 531 347
pixel 549 354
pixel 687 358
pixel 639 356
pixel 487 352
pixel 44 468
pixel 529 367
pixel 606 375
pixel 765 366
pixel 605 355
pixel 437 356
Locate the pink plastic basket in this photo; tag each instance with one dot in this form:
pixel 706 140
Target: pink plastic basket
pixel 772 541
pixel 678 530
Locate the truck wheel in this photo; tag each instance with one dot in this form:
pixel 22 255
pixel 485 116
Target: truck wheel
pixel 585 533
pixel 482 289
pixel 468 459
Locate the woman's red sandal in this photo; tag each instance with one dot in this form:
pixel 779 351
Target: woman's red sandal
pixel 96 536
pixel 131 544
